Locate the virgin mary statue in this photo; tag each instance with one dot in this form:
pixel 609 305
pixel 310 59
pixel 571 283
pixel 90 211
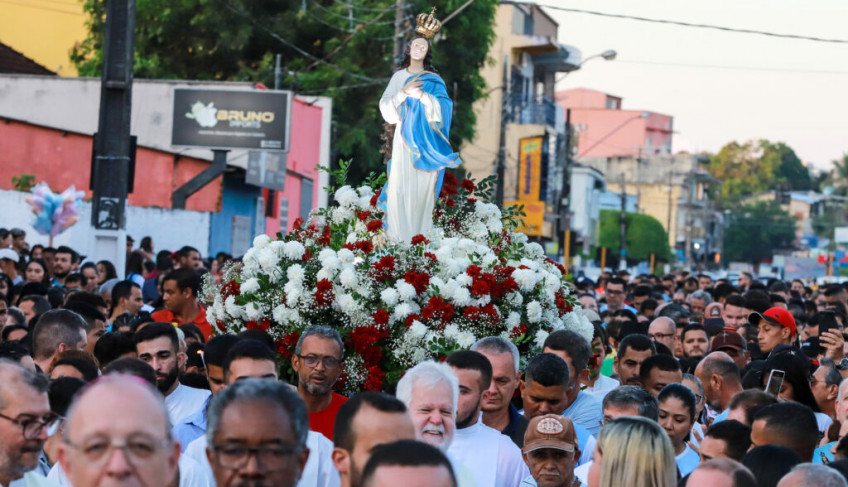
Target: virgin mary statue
pixel 416 101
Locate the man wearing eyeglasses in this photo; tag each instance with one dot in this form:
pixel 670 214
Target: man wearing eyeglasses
pixel 24 417
pixel 117 433
pixel 317 360
pixel 244 451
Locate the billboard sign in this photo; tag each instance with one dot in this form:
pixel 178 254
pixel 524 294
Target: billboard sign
pixel 534 220
pixel 228 119
pixel 529 169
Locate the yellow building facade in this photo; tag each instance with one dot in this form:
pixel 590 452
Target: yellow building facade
pixel 44 31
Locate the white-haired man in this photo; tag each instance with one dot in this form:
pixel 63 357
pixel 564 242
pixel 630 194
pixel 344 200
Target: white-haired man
pixel 430 391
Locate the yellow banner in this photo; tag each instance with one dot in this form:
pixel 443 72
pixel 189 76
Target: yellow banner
pixel 529 168
pixel 534 219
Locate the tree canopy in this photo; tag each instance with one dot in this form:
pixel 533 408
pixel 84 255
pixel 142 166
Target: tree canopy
pixel 757 231
pixel 645 236
pixel 756 166
pixel 341 49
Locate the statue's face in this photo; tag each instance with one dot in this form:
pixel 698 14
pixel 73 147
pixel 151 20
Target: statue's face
pixel 418 49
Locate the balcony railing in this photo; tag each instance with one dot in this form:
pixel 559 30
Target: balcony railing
pixel 539 111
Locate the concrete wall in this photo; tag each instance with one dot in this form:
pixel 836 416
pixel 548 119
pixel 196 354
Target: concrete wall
pixel 170 229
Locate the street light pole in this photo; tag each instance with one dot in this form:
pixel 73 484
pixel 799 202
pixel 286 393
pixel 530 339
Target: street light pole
pixel 622 223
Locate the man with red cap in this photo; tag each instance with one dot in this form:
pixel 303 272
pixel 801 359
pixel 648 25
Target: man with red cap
pixel 550 452
pixel 775 326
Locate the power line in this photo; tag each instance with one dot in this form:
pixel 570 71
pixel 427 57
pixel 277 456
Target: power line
pixel 356 20
pixel 370 9
pixel 741 68
pixel 700 26
pixel 295 47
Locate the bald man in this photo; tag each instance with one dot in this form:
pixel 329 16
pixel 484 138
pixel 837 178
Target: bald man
pixel 117 434
pixel 663 330
pixel 720 376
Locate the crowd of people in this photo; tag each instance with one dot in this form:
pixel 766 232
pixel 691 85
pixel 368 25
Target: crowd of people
pixel 687 381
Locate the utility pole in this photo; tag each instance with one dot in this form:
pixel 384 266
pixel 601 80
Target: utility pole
pixel 501 161
pixel 562 206
pixel 400 9
pixel 689 211
pixel 113 149
pixel 622 222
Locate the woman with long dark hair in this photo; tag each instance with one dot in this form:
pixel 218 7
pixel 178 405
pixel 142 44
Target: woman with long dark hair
pixel 105 271
pixel 36 271
pixel 416 100
pixel 796 382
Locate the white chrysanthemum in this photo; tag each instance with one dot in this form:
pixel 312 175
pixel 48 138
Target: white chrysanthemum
pixel 402 311
pixel 485 210
pixel 552 284
pixel 417 330
pixel 389 296
pixel 462 297
pixel 346 256
pixel 437 282
pixel 451 331
pixel 525 278
pixel 295 274
pixel 489 259
pixel 467 245
pixel 576 322
pixel 279 314
pixel 351 238
pixel 325 273
pixel 513 320
pixel 465 339
pixel 444 254
pixel 277 247
pixel 541 336
pixel 347 303
pixel 267 259
pixel 515 299
pixel 405 290
pixel 532 264
pixel 360 227
pixel 519 238
pixel 250 286
pixel 347 277
pixel 260 241
pixel 232 308
pixel 253 311
pixel 294 250
pixel 452 267
pixel 365 191
pixel 346 196
pixel 464 280
pixel 535 251
pixel 341 215
pixel 326 255
pixel 293 293
pixel 495 225
pixel 534 312
pixel 479 231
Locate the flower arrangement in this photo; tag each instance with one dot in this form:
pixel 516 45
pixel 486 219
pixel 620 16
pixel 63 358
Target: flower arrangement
pixel 397 304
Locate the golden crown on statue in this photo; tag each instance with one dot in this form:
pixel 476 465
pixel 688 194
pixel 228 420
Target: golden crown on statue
pixel 428 25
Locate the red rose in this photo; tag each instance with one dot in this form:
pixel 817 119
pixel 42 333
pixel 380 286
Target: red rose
pixel 419 239
pixel 325 237
pixel 374 225
pixel 262 324
pixel 324 294
pixel 231 288
pixel 287 344
pixel 364 340
pixel 410 319
pixel 383 269
pixel 450 203
pixel 375 379
pixel 298 223
pixel 438 309
pixel 473 270
pixel 467 185
pixel 381 317
pixel 363 215
pixel 375 198
pixel 419 281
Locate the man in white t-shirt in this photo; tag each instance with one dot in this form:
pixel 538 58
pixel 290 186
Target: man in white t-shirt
pixel 158 345
pixel 492 457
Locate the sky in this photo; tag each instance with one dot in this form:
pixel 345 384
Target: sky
pixel 721 86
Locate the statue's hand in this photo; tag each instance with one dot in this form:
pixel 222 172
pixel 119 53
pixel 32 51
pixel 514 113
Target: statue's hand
pixel 413 89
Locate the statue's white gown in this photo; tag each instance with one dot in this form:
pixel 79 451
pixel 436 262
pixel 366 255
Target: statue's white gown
pixel 411 192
